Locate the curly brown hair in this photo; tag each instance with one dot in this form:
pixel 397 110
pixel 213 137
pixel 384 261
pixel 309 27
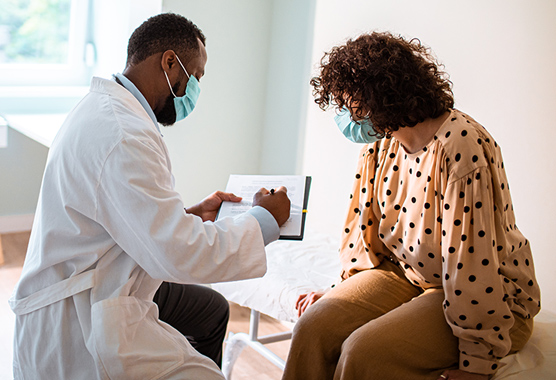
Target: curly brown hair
pixel 395 82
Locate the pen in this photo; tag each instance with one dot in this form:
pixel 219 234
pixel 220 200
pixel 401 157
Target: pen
pixel 271 191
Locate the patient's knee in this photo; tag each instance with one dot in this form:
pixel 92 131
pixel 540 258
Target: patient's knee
pixel 363 356
pixel 325 323
pixel 312 322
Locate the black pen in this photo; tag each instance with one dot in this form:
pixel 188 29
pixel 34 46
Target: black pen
pixel 271 191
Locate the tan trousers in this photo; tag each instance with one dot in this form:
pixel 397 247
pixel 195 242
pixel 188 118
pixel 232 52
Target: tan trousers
pixel 376 325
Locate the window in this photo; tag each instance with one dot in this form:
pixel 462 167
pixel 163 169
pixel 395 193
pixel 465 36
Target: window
pixel 45 43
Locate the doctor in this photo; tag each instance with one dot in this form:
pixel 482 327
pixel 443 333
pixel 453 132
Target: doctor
pixel 110 229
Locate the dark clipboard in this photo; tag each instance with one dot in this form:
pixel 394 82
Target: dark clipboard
pixel 303 213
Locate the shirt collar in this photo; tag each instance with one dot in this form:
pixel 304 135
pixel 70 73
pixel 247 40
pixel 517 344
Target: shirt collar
pixel 131 88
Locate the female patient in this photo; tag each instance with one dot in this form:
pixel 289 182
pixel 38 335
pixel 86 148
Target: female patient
pixel 436 282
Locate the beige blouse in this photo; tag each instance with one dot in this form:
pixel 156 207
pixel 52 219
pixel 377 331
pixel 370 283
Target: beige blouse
pixel 445 213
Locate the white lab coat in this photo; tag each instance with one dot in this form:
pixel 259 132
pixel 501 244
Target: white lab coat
pixel 108 229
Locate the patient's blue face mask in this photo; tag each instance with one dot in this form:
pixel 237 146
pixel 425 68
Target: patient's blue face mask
pixel 360 132
pixel 184 105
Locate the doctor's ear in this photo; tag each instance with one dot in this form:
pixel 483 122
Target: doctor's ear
pixel 168 60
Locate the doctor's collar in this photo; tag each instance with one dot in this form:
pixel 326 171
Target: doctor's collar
pixel 128 85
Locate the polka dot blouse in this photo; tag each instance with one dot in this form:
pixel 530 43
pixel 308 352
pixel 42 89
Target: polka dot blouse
pixel 445 214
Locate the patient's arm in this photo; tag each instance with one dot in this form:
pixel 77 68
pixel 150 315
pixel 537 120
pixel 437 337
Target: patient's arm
pixel 306 300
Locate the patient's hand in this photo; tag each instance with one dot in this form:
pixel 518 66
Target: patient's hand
pixel 208 208
pixel 306 300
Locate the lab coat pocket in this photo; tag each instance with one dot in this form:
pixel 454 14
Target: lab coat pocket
pixel 131 342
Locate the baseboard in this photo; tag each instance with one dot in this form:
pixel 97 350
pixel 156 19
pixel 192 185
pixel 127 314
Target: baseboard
pixel 16 223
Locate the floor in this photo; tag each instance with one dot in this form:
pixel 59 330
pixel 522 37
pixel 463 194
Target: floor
pixel 250 364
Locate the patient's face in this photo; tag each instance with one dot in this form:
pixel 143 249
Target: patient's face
pixel 356 111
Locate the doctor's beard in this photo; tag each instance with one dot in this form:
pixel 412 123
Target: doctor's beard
pixel 167 115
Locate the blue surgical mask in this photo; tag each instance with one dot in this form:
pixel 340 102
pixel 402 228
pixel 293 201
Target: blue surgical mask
pixel 184 104
pixel 360 132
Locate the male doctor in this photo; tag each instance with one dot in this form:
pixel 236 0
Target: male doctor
pixel 110 229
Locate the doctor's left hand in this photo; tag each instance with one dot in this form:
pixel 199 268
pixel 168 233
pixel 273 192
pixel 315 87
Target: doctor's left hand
pixel 208 208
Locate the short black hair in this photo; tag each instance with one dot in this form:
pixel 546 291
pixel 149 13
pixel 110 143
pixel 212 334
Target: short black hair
pixel 166 31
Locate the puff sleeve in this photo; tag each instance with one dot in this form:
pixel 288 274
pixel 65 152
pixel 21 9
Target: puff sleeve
pixel 475 301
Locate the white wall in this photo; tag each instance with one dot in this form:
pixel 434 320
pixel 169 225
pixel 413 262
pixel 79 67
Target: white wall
pixel 501 56
pixel 19 193
pixel 250 115
pixel 287 86
pixel 113 23
pixel 223 135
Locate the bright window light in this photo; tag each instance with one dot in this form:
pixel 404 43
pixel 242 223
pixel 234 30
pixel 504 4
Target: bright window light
pixel 45 42
pixel 35 32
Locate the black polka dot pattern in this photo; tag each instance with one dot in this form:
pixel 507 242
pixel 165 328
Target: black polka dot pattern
pixel 434 212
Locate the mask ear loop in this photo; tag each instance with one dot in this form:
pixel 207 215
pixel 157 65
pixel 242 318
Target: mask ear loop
pixel 169 85
pixel 181 64
pixel 168 80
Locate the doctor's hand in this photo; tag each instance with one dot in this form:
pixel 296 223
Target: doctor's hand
pixel 276 202
pixel 208 208
pixel 306 300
